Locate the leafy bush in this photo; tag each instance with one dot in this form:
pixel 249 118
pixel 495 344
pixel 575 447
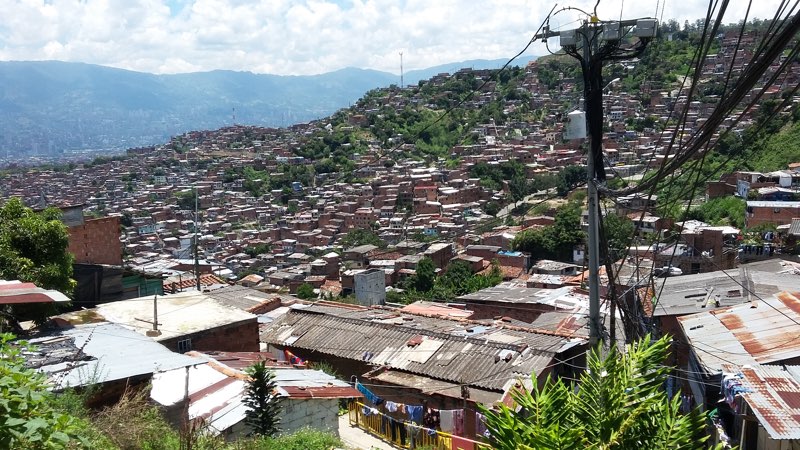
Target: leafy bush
pixel 304 439
pixel 28 419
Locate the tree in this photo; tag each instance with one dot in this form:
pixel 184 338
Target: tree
pixel 185 200
pixel 305 291
pixel 357 237
pixel 569 178
pixel 262 400
pixel 33 248
pixel 425 275
pixel 555 241
pixel 619 403
pixel 618 232
pixel 29 419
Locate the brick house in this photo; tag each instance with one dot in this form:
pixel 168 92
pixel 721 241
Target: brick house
pixel 186 321
pixel 766 212
pixel 96 241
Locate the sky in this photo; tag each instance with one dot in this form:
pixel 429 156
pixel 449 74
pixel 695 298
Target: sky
pixel 303 37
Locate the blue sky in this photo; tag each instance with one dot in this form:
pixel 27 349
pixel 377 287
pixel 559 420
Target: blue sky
pixel 294 37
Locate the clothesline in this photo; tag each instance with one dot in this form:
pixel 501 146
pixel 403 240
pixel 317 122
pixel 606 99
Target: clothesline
pixel 430 431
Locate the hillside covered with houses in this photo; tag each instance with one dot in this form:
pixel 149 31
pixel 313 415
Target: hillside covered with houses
pixel 426 247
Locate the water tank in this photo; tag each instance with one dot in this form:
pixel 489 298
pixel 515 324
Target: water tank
pixel 576 125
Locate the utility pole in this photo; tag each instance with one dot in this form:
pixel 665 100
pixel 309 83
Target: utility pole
pixel 592 44
pixel 196 258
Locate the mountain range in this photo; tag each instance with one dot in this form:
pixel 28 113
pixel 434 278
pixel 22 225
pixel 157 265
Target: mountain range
pixel 52 108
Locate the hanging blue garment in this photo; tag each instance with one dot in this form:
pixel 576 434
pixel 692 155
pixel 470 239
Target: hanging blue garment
pixel 414 413
pixel 374 399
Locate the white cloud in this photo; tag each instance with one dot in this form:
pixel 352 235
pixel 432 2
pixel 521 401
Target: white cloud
pixel 297 36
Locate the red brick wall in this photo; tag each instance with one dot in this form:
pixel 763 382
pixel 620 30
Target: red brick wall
pixel 526 312
pixel 775 215
pixel 96 242
pixel 236 337
pixel 716 189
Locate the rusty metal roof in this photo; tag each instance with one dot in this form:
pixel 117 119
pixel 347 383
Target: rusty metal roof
pixel 761 332
pixel 17 292
pixel 320 392
pixel 451 350
pixel 774 398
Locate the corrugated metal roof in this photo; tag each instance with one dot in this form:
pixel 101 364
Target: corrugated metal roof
pixel 760 332
pixel 17 292
pixel 216 390
pixel 109 352
pixel 381 337
pixel 794 227
pixel 240 297
pixel 772 204
pixel 687 294
pixel 774 398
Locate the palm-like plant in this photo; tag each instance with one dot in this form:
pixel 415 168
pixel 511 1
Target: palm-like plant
pixel 262 400
pixel 619 403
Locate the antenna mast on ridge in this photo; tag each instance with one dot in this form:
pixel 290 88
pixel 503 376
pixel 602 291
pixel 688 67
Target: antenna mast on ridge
pixel 401 70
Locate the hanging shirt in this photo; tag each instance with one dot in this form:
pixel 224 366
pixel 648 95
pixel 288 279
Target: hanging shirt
pixel 447 420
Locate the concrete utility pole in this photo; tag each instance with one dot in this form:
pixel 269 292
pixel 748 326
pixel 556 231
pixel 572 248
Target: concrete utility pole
pixel 593 43
pixel 196 258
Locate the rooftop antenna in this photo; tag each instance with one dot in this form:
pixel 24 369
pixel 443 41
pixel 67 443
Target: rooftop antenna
pixel 154 332
pixel 401 70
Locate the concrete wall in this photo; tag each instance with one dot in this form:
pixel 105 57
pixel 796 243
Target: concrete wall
pixel 319 414
pixel 370 287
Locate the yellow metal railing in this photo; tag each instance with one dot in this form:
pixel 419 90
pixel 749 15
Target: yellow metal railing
pixel 378 424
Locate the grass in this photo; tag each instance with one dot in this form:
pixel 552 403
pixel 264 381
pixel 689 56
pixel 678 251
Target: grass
pixel 134 423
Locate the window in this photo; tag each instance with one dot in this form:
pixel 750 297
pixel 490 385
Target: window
pixel 184 345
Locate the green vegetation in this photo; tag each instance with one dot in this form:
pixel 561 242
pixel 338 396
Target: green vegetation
pixel 33 247
pixel 29 419
pixel 553 242
pixel 492 176
pixel 256 250
pixel 720 211
pixel 262 400
pixel 185 200
pixel 357 237
pixel 618 232
pixel 305 291
pixel 33 418
pixel 618 403
pixel 458 279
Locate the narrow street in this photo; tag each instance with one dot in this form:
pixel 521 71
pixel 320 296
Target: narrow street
pixel 357 439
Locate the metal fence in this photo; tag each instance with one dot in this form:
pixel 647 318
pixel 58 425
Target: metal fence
pixel 404 434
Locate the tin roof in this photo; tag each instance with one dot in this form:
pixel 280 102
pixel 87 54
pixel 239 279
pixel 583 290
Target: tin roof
pixel 688 294
pixel 98 353
pixel 17 292
pixel 774 398
pixel 450 350
pixel 794 227
pixel 762 332
pixel 216 389
pixel 435 309
pixel 240 297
